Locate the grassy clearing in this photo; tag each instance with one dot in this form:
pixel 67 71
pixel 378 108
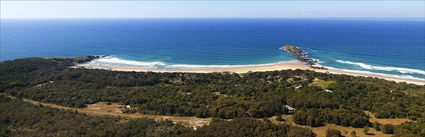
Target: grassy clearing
pixel 102 109
pixel 394 121
pixel 113 109
pixel 321 131
pixel 412 92
pixel 346 131
pixel 321 83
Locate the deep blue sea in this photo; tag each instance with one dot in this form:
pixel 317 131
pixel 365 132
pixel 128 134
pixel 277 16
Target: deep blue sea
pixel 389 46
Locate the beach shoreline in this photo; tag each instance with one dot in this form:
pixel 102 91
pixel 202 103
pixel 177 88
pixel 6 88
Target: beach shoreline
pixel 251 68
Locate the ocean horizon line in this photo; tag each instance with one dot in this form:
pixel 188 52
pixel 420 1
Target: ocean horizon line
pixel 227 18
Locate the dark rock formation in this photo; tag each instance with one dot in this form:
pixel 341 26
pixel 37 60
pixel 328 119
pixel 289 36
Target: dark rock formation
pixel 301 55
pixel 82 59
pixel 295 51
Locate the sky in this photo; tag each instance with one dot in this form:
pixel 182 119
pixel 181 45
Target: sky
pixel 212 9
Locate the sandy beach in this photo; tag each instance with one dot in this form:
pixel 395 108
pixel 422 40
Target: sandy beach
pixel 375 75
pixel 253 68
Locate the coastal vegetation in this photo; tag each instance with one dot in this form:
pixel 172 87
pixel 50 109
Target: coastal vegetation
pixel 317 98
pixel 410 129
pixel 18 118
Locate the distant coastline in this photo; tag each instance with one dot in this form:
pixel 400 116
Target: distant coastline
pixel 124 65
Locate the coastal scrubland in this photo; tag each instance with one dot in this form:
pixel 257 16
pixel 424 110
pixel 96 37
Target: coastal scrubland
pixel 19 118
pixel 232 100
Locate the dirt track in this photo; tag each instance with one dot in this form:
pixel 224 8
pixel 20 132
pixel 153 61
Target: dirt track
pixel 103 109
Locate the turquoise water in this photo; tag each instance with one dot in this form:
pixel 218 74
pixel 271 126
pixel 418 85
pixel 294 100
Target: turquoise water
pixel 388 46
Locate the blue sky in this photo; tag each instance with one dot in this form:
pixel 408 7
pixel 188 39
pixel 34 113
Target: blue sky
pixel 212 9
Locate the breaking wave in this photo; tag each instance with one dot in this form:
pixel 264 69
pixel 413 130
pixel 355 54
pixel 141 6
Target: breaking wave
pixel 382 68
pixel 112 61
pixel 409 77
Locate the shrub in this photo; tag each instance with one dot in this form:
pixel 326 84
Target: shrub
pixel 333 133
pixel 388 129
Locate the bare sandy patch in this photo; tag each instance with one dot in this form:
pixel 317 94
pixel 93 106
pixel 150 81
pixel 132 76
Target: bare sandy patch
pixel 115 110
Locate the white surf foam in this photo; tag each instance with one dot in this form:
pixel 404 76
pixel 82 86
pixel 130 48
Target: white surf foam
pixel 112 61
pixel 406 77
pixel 382 68
pixel 115 61
pixel 222 66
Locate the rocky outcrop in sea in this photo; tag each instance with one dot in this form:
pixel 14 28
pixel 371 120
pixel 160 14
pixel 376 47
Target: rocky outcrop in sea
pixel 301 56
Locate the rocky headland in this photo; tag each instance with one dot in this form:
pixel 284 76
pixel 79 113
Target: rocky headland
pixel 301 56
pixel 82 59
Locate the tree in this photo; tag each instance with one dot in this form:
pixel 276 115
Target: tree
pixel 330 132
pixel 388 129
pixel 377 126
pixel 300 132
pixel 255 94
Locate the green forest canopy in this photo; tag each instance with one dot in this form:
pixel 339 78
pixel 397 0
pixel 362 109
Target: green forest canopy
pixel 221 95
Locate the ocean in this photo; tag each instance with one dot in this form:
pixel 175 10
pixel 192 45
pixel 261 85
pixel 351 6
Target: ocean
pixel 389 46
